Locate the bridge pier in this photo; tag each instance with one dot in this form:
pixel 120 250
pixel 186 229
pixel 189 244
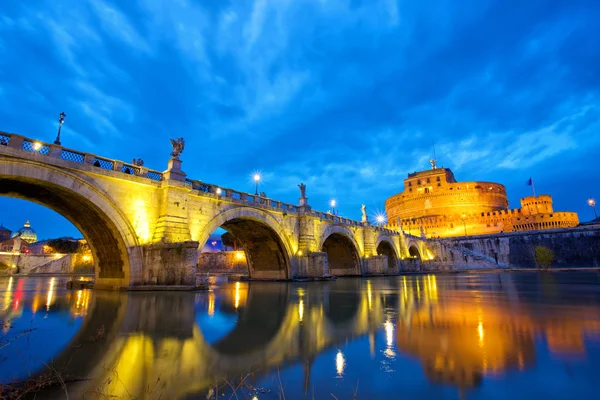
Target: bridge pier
pixel 311 265
pixel 375 265
pixel 170 263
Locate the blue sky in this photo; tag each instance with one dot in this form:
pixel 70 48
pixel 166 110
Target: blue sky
pixel 343 95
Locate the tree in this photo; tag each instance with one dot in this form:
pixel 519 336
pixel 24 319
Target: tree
pixel 229 240
pixel 63 246
pixel 544 257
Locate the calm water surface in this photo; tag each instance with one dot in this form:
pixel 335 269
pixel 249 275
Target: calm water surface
pixel 479 336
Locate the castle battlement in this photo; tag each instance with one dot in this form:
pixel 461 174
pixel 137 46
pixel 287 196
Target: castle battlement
pixel 433 203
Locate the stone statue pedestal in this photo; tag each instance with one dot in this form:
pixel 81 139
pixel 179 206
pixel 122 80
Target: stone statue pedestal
pixel 174 171
pixel 303 201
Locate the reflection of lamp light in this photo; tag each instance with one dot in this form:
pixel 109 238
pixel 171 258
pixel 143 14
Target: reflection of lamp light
pixel 237 295
pixel 211 303
pixel 340 362
pixel 301 310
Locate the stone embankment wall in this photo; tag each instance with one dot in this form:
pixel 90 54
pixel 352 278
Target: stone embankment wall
pixel 574 247
pixel 45 264
pixel 230 262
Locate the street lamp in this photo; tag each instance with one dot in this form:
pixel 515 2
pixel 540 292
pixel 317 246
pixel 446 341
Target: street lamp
pixel 332 203
pixel 61 119
pixel 256 180
pixel 592 203
pixel 380 218
pixel 464 217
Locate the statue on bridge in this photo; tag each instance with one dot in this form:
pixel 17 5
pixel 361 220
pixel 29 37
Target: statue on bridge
pixel 363 209
pixel 178 145
pixel 302 187
pixel 138 162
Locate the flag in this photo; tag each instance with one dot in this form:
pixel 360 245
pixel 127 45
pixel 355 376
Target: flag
pixel 530 182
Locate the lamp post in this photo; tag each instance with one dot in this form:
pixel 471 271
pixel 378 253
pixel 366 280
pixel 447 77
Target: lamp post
pixel 61 119
pixel 592 203
pixel 464 217
pixel 256 180
pixel 332 203
pixel 380 218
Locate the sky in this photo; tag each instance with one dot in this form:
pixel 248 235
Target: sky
pixel 345 96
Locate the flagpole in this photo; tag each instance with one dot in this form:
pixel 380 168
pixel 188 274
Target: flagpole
pixel 533 187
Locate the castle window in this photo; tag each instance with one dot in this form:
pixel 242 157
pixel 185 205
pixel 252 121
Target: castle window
pixel 426 190
pixel 428 180
pixel 419 182
pixel 439 184
pixel 410 190
pixel 409 183
pixel 438 178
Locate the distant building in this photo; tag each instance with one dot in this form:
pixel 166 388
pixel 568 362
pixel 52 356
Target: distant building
pixel 14 245
pixel 4 233
pixel 26 233
pixel 434 204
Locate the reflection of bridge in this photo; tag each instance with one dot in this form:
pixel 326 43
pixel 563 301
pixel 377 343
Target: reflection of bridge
pixel 147 344
pixel 145 226
pixel 461 328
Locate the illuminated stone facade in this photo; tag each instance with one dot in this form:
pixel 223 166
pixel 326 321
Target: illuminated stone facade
pixel 434 204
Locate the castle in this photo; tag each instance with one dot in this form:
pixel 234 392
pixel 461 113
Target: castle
pixel 434 204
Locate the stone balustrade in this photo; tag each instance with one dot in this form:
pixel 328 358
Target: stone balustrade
pixel 52 150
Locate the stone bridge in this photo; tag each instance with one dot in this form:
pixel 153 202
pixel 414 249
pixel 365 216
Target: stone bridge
pixel 146 227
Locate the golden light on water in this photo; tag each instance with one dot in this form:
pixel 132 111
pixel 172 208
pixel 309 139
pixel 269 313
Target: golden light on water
pixel 237 295
pixel 389 339
pixel 211 303
pixel 50 293
pixel 389 333
pixel 480 332
pixel 301 310
pixel 340 363
pixel 8 294
pixel 369 295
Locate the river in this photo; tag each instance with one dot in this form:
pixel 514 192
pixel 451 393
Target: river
pixel 451 336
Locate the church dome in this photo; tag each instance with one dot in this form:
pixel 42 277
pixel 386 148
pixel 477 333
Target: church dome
pixel 26 233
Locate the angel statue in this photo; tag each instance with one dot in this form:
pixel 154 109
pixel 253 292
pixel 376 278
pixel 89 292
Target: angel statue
pixel 364 213
pixel 178 145
pixel 302 187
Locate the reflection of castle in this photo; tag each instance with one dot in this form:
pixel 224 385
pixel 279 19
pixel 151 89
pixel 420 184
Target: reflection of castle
pixel 461 336
pixel 435 203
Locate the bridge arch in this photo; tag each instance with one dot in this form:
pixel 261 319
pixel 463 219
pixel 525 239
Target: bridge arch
pixel 267 246
pixel 342 250
pixel 110 235
pixel 413 251
pixel 385 247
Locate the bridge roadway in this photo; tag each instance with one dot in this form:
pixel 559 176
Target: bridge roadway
pixel 146 227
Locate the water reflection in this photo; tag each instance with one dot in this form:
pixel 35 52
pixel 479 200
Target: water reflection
pixel 426 336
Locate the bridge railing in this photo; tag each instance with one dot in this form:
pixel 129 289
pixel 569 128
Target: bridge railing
pixel 20 142
pixel 231 194
pixel 74 156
